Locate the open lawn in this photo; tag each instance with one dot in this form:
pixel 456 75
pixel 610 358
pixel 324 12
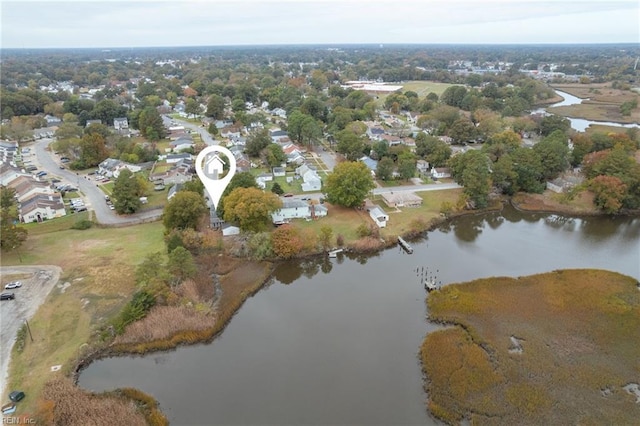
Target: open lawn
pixel 554 348
pixel 422 88
pixel 98 278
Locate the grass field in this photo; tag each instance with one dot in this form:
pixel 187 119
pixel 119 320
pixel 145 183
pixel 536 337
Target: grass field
pixel 422 88
pixel 601 103
pixel 554 348
pixel 98 289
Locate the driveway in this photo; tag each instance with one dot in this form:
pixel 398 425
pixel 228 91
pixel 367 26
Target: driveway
pixel 94 197
pixel 14 313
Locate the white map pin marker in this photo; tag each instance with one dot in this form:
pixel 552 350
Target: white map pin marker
pixel 209 167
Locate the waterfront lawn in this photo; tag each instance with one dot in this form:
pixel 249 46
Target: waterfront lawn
pixel 575 349
pixel 342 221
pixel 99 266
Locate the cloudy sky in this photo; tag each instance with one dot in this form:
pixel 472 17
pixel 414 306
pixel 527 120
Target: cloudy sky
pixel 86 23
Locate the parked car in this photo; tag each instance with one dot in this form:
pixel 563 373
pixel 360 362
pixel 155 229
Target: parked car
pixel 16 396
pixel 7 296
pixel 288 195
pixel 12 285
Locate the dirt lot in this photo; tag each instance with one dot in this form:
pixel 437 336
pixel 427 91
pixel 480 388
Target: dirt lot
pixel 37 282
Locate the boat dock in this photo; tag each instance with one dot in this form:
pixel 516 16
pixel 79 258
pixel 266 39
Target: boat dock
pixel 405 245
pixel 430 285
pixel 334 253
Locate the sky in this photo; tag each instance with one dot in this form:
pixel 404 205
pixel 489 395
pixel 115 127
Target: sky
pixel 104 24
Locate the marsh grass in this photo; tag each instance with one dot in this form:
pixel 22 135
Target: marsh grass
pixel 578 330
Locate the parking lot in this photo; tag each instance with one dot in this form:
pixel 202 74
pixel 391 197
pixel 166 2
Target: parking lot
pixel 36 286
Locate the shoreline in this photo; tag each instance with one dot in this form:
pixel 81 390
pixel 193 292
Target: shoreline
pixel 144 348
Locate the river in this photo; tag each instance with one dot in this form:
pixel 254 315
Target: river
pixel 336 341
pixel 580 124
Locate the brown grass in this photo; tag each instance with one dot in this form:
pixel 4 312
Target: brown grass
pixel 66 404
pixel 163 322
pixel 550 201
pixel 601 103
pixel 578 330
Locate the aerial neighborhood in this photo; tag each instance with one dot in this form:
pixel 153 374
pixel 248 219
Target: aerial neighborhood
pixel 339 153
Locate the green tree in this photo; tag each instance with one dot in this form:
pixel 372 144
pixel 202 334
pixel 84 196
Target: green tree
pixel 349 184
pixel 274 155
pixel 181 264
pixel 93 150
pixel 530 170
pixel 350 145
pixel 150 124
pixel 11 235
pixel 462 130
pixel 551 123
pixel 432 149
pixel 303 128
pixel 184 210
pixel 256 142
pixel 554 154
pixel 125 193
pixel 385 167
pixel 472 171
pixel 251 208
pixel 277 189
pixel 192 107
pixel 326 235
pixel 407 165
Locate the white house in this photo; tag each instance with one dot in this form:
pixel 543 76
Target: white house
pixel 440 172
pixel 41 207
pixel 379 216
pixel 311 180
pixel 291 209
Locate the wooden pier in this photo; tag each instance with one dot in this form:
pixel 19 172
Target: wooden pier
pixel 405 245
pixel 334 253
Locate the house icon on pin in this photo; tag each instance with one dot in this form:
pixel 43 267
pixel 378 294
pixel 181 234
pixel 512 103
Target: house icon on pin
pixel 214 166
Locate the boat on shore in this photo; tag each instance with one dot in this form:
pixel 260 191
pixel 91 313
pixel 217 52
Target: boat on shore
pixel 405 245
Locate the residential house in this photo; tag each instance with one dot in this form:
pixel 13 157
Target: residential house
pixel 279 171
pixel 401 199
pixel 293 153
pixel 370 163
pixel 279 112
pixel 174 190
pixel 291 209
pixel 230 132
pixel 565 183
pixel 121 124
pixel 27 186
pixel 263 178
pixel 375 132
pixel 44 132
pixel 278 135
pixel 221 124
pixel 184 142
pixel 392 140
pixel 318 210
pixel 440 172
pixel 423 167
pixel 52 120
pixel 111 167
pixel 40 207
pixel 311 179
pixel 9 173
pixel 379 216
pixel 176 158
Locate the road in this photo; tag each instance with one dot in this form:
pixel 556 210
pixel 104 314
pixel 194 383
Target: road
pixel 94 197
pixel 15 313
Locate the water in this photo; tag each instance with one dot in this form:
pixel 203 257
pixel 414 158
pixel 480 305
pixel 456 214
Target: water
pixel 580 124
pixel 336 341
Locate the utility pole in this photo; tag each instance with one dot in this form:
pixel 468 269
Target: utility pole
pixel 29 330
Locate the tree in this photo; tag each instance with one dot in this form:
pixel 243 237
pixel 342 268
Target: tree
pixel 184 210
pixel 350 145
pixel 349 184
pixel 303 128
pixel 125 193
pixel 277 189
pixel 326 235
pixel 251 208
pixel 384 170
pixel 192 107
pixel 554 154
pixel 274 155
pixel 471 170
pixel 150 124
pixel 11 235
pixel 529 168
pixel 256 142
pixel 432 149
pixel 286 242
pixel 181 264
pixel 462 130
pixel 239 180
pixel 609 192
pixel 407 165
pixel 551 123
pixel 93 150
